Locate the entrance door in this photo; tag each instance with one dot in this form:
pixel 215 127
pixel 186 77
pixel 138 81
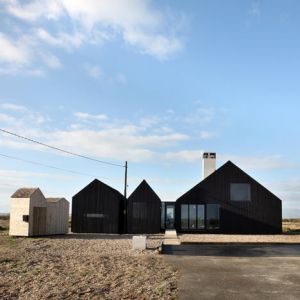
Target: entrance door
pixel 170 216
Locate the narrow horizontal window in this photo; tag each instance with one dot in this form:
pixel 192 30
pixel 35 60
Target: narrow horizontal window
pixel 95 215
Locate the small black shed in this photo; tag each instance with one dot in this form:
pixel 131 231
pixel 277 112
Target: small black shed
pixel 143 210
pixel 228 201
pixel 98 208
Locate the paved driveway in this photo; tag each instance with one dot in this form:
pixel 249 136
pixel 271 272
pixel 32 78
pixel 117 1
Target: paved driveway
pixel 236 271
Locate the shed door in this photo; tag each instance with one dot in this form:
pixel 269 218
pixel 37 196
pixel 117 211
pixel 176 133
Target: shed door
pixel 39 220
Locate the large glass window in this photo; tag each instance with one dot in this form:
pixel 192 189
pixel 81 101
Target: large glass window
pixel 240 192
pixel 200 217
pixel 192 216
pixel 213 216
pixel 184 216
pixel 170 216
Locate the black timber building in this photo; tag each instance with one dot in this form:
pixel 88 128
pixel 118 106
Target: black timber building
pixel 143 210
pixel 228 201
pixel 98 208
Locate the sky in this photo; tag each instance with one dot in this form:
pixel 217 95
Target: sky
pixel 154 83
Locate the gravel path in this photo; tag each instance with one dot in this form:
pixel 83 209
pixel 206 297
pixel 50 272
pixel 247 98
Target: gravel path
pixel 85 267
pixel 239 238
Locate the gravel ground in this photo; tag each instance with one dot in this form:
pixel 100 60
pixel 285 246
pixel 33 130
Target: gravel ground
pixel 84 266
pixel 239 238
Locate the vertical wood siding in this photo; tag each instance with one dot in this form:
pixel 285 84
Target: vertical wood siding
pixel 98 208
pixel 263 214
pixel 143 210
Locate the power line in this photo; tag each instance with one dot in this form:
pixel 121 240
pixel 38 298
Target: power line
pixel 61 150
pixel 47 166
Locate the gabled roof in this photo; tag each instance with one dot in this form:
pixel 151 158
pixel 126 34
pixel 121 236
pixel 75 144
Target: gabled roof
pixel 227 166
pixel 24 192
pixel 54 200
pixel 142 187
pixel 97 181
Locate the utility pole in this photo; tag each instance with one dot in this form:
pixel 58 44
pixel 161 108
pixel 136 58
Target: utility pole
pixel 125 187
pixel 125 200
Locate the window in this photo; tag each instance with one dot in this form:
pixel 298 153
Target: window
pixel 200 217
pixel 192 216
pixel 26 218
pixel 184 216
pixel 213 216
pixel 240 192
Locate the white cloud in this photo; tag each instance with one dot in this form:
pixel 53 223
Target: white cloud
pixel 12 106
pixel 51 60
pixel 6 118
pixel 185 156
pixel 33 10
pixel 63 40
pixel 86 116
pixel 137 22
pixel 13 52
pixel 94 71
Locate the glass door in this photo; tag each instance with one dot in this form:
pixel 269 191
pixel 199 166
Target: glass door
pixel 170 216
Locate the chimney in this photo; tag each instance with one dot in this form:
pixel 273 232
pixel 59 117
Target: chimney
pixel 208 164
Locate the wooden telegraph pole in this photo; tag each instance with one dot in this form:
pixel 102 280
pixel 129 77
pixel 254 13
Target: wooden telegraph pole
pixel 125 201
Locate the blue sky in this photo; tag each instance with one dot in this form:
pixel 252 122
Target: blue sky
pixel 152 82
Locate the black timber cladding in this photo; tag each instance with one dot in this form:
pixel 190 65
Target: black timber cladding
pixel 143 210
pixel 98 208
pixel 263 214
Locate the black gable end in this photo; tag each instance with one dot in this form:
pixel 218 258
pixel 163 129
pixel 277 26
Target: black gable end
pixel 262 213
pixel 98 208
pixel 143 210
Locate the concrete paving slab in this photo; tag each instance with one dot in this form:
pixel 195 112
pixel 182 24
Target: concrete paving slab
pixel 236 271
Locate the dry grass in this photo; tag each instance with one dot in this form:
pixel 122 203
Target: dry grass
pixel 85 267
pixel 291 226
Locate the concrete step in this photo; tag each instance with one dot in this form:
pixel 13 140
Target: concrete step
pixel 172 241
pixel 170 233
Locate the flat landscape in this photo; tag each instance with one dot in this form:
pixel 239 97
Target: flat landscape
pixel 85 267
pixel 95 266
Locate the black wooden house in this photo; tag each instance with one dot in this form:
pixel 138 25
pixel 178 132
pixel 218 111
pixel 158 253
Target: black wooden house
pixel 143 210
pixel 98 208
pixel 228 201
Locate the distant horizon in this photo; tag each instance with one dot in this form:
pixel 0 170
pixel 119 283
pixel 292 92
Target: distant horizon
pixel 152 83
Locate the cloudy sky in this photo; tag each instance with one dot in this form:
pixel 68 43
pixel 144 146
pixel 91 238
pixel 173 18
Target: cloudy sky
pixel 152 82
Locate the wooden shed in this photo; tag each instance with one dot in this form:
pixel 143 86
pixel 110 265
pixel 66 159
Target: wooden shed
pixel 228 201
pixel 57 216
pixel 32 215
pixel 98 208
pixel 143 210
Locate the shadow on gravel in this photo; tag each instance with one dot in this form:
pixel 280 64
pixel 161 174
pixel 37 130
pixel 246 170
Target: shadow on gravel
pixel 233 250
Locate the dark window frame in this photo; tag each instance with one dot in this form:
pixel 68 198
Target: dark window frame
pixel 235 199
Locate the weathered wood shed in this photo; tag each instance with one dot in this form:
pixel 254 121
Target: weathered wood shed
pixel 98 208
pixel 57 216
pixel 228 201
pixel 32 215
pixel 143 210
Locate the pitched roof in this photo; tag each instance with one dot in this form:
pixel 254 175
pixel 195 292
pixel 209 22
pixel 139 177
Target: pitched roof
pixel 54 199
pixel 142 187
pixel 24 193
